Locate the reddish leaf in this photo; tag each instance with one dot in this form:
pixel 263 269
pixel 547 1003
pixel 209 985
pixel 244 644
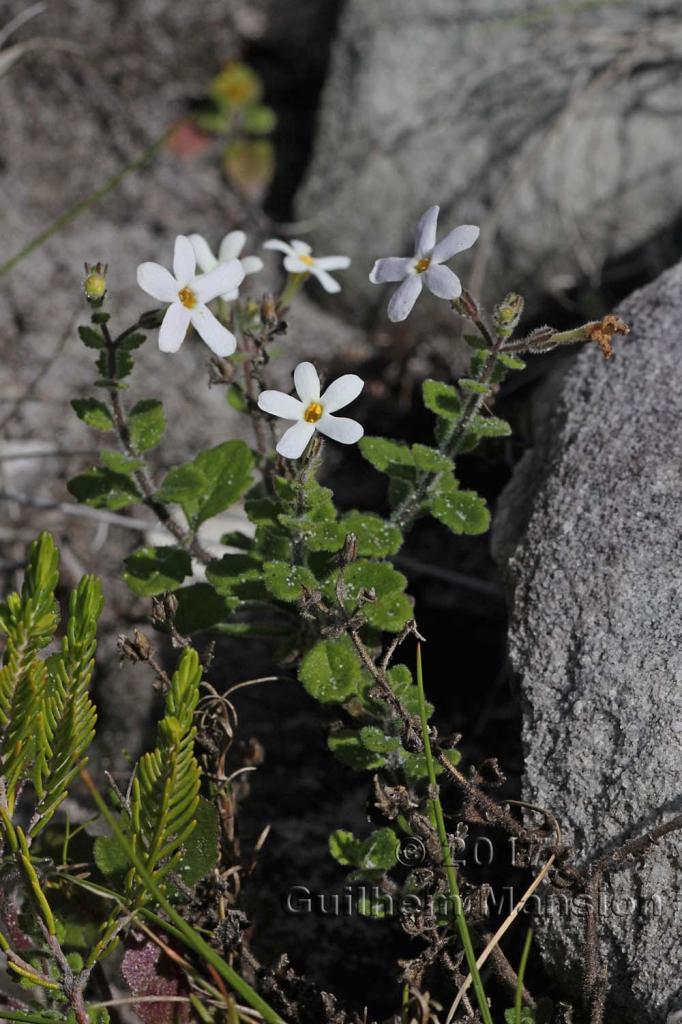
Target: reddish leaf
pixel 149 972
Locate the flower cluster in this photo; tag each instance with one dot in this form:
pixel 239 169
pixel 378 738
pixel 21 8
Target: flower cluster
pixel 188 294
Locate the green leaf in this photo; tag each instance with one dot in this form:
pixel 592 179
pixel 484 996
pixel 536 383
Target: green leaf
pixel 102 488
pixel 376 537
pixel 380 850
pixel 226 572
pixel 110 857
pixel 259 120
pixel 389 457
pixel 286 581
pixel 120 463
pixel 527 1016
pixel 227 469
pixel 489 426
pixel 200 852
pixel 461 511
pixel 132 341
pixel 474 386
pixel 430 460
pixel 331 671
pixel 236 398
pixel 200 607
pixel 511 362
pixel 147 424
pixel 90 337
pixel 476 341
pixel 345 848
pixel 155 570
pixel 94 413
pixel 375 739
pixel 345 745
pixel 183 486
pixel 390 612
pixel 441 398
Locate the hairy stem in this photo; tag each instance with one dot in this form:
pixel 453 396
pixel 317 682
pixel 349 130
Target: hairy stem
pixel 142 476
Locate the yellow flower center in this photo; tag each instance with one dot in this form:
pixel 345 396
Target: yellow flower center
pixel 308 260
pixel 313 413
pixel 423 264
pixel 187 298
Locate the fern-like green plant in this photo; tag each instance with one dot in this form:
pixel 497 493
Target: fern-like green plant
pixel 165 790
pixel 47 719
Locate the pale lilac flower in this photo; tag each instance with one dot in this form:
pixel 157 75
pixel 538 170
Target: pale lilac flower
pixel 425 267
pixel 298 259
pixel 188 295
pixel 314 411
pixel 229 249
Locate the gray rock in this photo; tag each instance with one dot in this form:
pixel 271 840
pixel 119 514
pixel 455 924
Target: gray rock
pixel 595 639
pixel 540 122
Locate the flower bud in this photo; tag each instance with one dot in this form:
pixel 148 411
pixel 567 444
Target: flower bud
pixel 95 283
pixel 508 313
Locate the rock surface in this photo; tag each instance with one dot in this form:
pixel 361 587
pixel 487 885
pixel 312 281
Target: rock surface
pixel 541 122
pixel 595 638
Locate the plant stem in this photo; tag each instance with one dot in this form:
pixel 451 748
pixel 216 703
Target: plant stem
pixel 142 476
pixel 518 995
pixel 405 513
pixel 66 218
pixel 450 872
pixel 189 936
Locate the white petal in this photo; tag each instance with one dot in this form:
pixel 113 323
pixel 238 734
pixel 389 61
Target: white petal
pixel 326 280
pixel 230 296
pixel 425 235
pixel 458 240
pixel 222 278
pixel 393 268
pixel 293 442
pixel 404 298
pixel 295 265
pixel 174 327
pixel 205 259
pixel 184 261
pixel 340 429
pixel 307 383
pixel 342 392
pixel 217 337
pixel 251 264
pixel 279 404
pixel 333 262
pixel 231 245
pixel 158 282
pixel 443 283
pixel 300 248
pixel 279 246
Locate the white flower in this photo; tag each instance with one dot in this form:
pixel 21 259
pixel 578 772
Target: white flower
pixel 229 249
pixel 425 267
pixel 314 411
pixel 188 294
pixel 298 259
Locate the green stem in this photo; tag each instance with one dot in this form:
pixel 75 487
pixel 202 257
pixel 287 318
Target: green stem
pixel 518 995
pixel 82 205
pixel 460 919
pixel 188 934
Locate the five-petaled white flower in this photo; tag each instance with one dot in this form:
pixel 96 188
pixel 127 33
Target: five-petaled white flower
pixel 298 259
pixel 188 294
pixel 229 249
pixel 425 267
pixel 314 411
